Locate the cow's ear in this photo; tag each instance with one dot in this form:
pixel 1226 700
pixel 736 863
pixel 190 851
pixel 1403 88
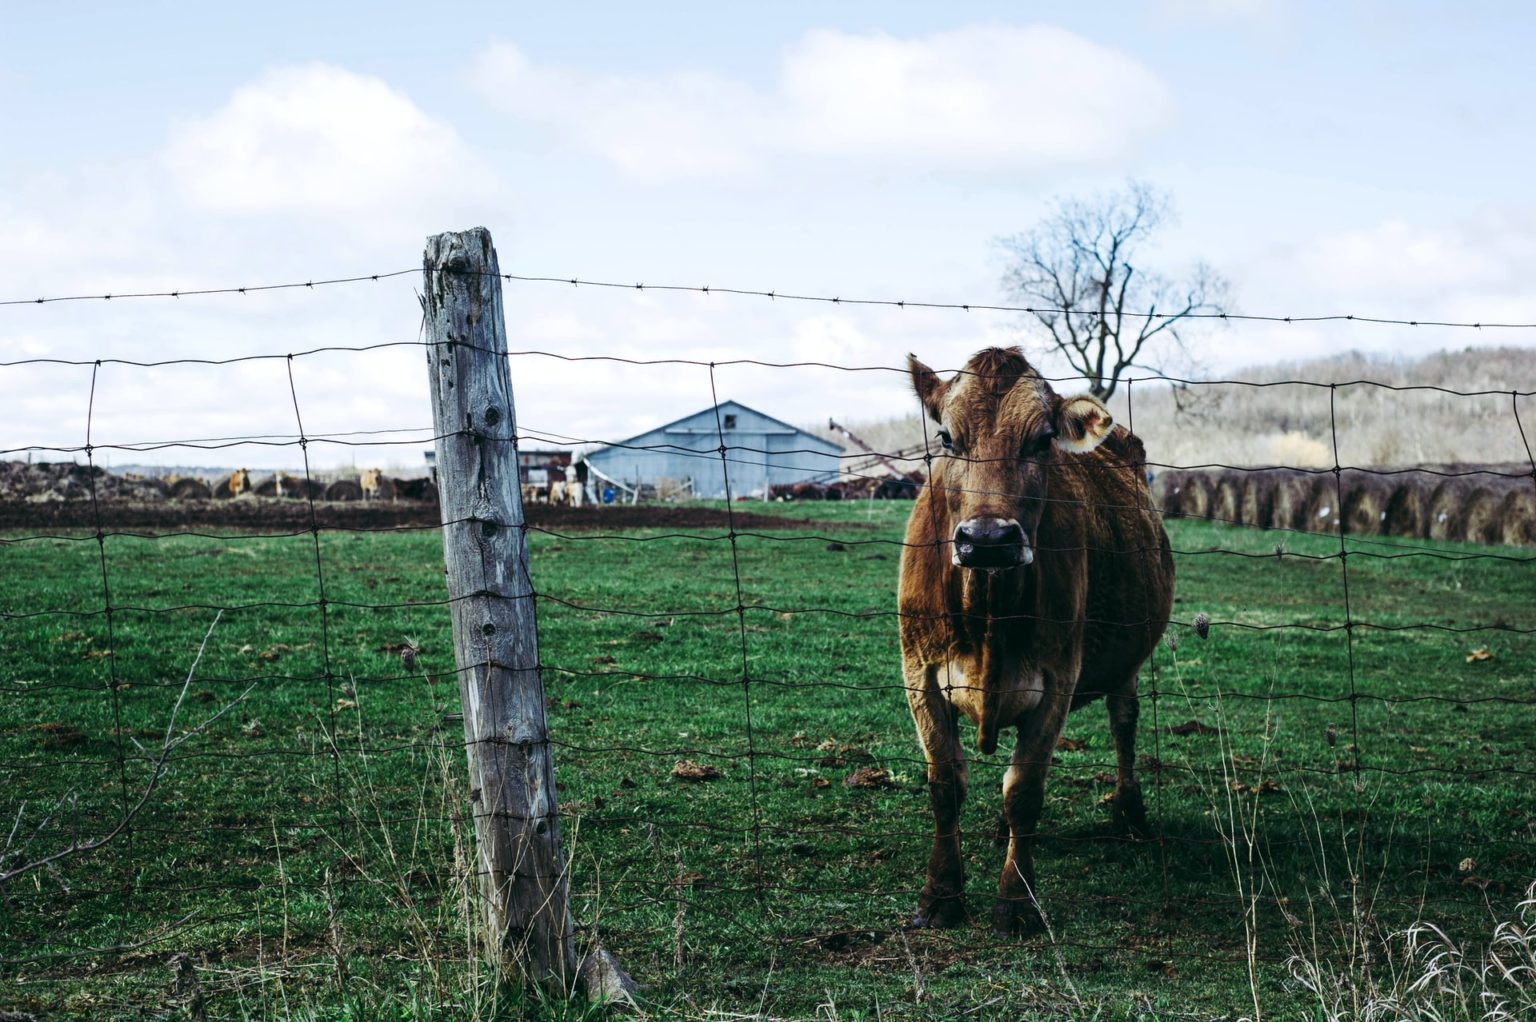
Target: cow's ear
pixel 928 387
pixel 1082 423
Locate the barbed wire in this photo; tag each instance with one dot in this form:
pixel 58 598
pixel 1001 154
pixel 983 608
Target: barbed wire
pixel 721 363
pixel 636 882
pixel 203 292
pixel 788 296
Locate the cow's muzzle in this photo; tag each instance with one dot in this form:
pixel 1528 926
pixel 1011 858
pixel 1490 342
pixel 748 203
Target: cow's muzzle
pixel 991 543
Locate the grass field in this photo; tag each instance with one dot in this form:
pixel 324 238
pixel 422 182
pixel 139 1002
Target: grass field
pixel 306 849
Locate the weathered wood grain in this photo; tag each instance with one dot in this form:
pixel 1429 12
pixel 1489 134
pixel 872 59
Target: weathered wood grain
pixel 512 778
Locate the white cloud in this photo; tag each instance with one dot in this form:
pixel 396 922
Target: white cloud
pixel 1418 270
pixel 976 101
pixel 1475 270
pixel 309 171
pixel 317 139
pixel 662 127
pixel 982 99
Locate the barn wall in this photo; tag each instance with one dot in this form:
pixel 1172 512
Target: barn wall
pixel 763 452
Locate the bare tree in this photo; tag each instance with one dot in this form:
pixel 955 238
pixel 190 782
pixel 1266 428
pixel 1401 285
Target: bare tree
pixel 1104 313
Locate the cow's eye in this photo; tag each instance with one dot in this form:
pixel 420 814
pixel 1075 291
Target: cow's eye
pixel 1039 445
pixel 947 440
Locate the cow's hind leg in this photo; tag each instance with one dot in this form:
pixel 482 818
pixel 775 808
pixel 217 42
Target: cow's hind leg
pixel 942 901
pixel 1126 807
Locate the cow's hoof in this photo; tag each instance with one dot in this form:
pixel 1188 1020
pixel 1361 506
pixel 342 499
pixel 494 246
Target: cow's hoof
pixel 944 913
pixel 1129 816
pixel 1016 918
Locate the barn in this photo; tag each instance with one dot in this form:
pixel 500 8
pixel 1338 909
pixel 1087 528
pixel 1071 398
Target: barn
pixel 683 457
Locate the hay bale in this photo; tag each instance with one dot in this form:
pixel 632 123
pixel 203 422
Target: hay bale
pixel 1365 502
pixel 1257 497
pixel 1467 509
pixel 1445 513
pixel 1405 506
pixel 1227 497
pixel 134 487
pixel 1290 492
pixel 1168 490
pixel 344 489
pixel 1321 510
pixel 1517 516
pixel 1480 512
pixel 1195 493
pixel 188 488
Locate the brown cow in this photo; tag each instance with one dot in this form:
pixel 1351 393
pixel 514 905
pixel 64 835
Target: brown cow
pixel 234 484
pixel 1036 578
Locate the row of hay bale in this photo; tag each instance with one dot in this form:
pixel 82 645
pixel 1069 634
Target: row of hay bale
pixel 293 487
pixel 372 485
pixel 66 481
pixel 1481 507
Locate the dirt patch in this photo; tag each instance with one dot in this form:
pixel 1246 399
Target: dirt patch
pixel 659 516
pixel 295 516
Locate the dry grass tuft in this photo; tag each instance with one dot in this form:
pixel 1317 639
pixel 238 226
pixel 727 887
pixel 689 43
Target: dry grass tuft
pixel 1424 974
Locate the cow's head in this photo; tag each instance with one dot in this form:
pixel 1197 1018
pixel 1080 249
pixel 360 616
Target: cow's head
pixel 1000 425
pixel 240 481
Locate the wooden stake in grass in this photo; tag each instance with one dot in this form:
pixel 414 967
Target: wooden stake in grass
pixel 518 858
pixel 512 773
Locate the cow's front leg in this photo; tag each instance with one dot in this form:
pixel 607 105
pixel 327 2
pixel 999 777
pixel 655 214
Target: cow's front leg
pixel 942 901
pixel 1018 907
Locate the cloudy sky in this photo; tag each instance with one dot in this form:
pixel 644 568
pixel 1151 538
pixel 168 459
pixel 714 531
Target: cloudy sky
pixel 1368 158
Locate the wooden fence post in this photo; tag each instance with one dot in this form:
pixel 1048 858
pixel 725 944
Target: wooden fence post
pixel 511 770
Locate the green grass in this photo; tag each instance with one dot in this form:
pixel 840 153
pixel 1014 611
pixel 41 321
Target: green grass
pixel 307 850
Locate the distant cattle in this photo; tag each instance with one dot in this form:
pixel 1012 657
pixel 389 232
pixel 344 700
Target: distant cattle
pixel 376 486
pixel 1035 578
pixel 281 484
pixel 897 489
pixel 805 491
pixel 415 489
pixel 234 484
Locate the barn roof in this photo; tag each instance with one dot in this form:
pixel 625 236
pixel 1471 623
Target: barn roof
pixel 723 406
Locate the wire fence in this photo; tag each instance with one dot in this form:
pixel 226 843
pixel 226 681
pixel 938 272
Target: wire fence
pixel 232 725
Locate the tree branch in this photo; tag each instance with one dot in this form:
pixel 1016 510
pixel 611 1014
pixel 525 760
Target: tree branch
pixel 1078 261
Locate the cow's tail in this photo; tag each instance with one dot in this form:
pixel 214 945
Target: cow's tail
pixel 988 725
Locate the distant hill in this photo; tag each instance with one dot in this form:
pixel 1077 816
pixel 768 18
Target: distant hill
pixel 1290 423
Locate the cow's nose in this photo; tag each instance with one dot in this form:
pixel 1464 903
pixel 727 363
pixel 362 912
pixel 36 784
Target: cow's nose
pixel 990 543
